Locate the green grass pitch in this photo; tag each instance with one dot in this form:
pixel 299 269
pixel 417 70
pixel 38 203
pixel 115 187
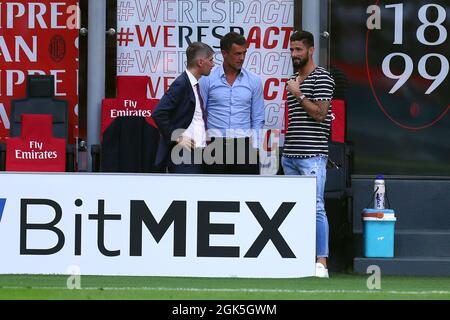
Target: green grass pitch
pixel 339 286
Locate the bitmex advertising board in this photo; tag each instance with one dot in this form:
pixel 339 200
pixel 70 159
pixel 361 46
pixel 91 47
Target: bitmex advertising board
pixel 157 225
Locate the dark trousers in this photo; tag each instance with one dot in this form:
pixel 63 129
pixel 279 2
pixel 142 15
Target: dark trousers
pixel 187 161
pixel 232 156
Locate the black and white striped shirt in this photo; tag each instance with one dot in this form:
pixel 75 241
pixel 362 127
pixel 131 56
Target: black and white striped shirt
pixel 305 136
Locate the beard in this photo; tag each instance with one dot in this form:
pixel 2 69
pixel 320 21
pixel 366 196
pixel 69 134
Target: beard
pixel 299 63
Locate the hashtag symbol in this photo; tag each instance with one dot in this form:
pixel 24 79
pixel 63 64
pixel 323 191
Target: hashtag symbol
pixel 123 38
pixel 124 10
pixel 124 62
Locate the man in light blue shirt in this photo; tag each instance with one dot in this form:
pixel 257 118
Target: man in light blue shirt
pixel 235 107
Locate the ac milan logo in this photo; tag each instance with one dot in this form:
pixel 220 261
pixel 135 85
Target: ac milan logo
pixel 57 48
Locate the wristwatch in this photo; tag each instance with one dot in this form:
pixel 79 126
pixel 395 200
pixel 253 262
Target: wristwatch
pixel 301 97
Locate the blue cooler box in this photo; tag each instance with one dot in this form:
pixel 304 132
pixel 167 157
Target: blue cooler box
pixel 378 227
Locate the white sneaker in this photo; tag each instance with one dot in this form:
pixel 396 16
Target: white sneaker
pixel 321 271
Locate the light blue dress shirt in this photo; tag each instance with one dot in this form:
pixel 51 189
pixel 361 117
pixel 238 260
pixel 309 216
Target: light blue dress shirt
pixel 235 111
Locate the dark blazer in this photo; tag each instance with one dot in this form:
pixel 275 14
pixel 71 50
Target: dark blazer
pixel 175 110
pixel 130 144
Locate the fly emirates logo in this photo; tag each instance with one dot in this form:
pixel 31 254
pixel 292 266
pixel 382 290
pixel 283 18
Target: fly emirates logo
pixel 36 151
pixel 130 110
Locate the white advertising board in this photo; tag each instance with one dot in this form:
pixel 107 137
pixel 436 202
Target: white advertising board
pixel 157 225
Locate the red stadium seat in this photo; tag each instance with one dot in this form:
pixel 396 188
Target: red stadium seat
pixel 128 134
pixel 36 149
pixel 338 124
pixel 131 101
pixel 40 100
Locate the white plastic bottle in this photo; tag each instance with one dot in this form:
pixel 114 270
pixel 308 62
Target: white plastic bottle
pixel 379 190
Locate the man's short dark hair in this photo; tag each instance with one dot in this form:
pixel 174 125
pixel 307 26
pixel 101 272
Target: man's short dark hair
pixel 306 37
pixel 197 50
pixel 232 38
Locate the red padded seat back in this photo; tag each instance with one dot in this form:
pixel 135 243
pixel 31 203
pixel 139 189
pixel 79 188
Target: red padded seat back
pixel 131 101
pixel 36 149
pixel 132 86
pixel 338 123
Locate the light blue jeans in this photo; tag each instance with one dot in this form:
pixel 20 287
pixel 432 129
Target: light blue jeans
pixel 316 166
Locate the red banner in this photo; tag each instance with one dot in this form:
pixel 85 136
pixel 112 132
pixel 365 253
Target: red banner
pixel 38 38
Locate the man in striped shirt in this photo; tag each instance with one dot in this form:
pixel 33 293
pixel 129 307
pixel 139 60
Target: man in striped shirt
pixel 305 149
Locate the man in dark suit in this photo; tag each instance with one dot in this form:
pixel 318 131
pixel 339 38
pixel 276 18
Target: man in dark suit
pixel 180 114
